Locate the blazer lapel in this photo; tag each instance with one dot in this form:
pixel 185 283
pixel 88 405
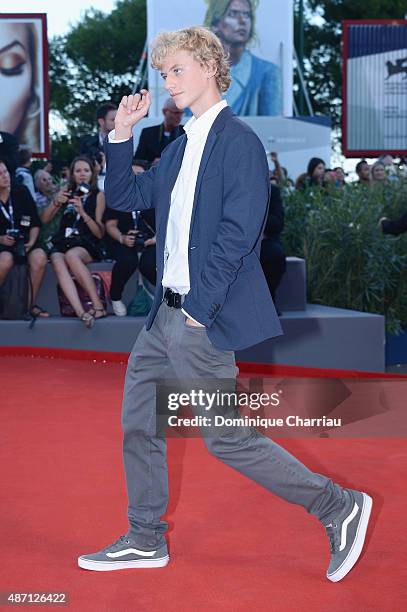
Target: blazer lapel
pixel 175 167
pixel 218 125
pixel 176 163
pixel 210 141
pixel 169 183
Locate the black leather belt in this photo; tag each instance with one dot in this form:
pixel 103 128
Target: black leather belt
pixel 173 299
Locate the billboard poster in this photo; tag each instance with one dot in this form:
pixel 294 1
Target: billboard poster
pixel 24 80
pixel 258 35
pixel 375 88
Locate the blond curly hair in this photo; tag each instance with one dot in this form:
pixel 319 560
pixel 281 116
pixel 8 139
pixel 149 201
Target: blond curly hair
pixel 204 46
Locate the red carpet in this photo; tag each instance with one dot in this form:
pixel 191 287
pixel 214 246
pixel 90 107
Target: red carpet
pixel 233 545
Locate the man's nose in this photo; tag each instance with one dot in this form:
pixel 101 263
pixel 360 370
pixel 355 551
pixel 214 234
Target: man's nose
pixel 169 84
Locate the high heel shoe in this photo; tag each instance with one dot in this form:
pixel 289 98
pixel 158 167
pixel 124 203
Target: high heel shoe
pixel 87 318
pixel 93 312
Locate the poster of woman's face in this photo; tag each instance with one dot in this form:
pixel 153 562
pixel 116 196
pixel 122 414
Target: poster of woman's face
pixel 257 35
pixel 23 86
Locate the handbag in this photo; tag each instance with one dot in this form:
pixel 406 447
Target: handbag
pixel 142 301
pixel 65 307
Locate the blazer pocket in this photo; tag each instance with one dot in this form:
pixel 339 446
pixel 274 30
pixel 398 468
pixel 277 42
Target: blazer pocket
pixel 194 327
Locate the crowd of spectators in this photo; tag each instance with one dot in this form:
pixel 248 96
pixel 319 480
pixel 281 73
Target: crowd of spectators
pixel 382 172
pixel 64 220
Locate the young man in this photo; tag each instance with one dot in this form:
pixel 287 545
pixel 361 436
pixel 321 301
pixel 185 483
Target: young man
pixel 92 145
pixel 210 192
pixel 362 169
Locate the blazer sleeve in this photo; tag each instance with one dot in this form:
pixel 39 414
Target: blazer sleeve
pixel 123 190
pixel 245 200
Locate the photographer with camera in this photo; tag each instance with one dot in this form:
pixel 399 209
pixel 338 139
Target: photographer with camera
pixel 131 243
pixel 19 231
pixel 78 240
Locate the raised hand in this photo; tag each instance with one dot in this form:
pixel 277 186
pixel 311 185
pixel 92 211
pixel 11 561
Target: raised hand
pixel 61 197
pixel 131 110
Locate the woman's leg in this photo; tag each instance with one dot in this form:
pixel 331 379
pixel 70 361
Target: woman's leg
pixel 66 283
pixel 37 262
pixel 6 263
pixel 77 258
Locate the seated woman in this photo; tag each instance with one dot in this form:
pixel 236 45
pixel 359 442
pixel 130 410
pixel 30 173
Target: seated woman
pixel 78 240
pixel 19 230
pixel 128 235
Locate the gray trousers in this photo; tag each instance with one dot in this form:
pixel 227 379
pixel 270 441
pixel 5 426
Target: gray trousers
pixel 173 350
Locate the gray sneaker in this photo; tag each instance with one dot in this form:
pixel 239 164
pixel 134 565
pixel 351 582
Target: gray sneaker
pixel 347 533
pixel 124 554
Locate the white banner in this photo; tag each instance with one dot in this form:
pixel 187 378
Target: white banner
pixel 377 101
pixel 375 87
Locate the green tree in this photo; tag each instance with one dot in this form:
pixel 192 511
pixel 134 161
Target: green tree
pixel 95 62
pixel 323 49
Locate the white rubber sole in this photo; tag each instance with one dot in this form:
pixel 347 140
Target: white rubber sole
pixel 109 566
pixel 357 546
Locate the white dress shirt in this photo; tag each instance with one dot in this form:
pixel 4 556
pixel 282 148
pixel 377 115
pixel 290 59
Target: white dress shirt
pixel 176 267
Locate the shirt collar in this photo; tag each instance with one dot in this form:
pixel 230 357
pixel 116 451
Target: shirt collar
pixel 202 125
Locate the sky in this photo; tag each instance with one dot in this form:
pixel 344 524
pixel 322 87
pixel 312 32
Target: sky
pixel 60 14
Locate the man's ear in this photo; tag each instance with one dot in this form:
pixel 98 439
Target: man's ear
pixel 211 69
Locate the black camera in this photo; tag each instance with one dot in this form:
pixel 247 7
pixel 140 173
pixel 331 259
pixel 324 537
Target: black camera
pixel 140 239
pixel 70 210
pixel 15 233
pixel 82 190
pixel 19 245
